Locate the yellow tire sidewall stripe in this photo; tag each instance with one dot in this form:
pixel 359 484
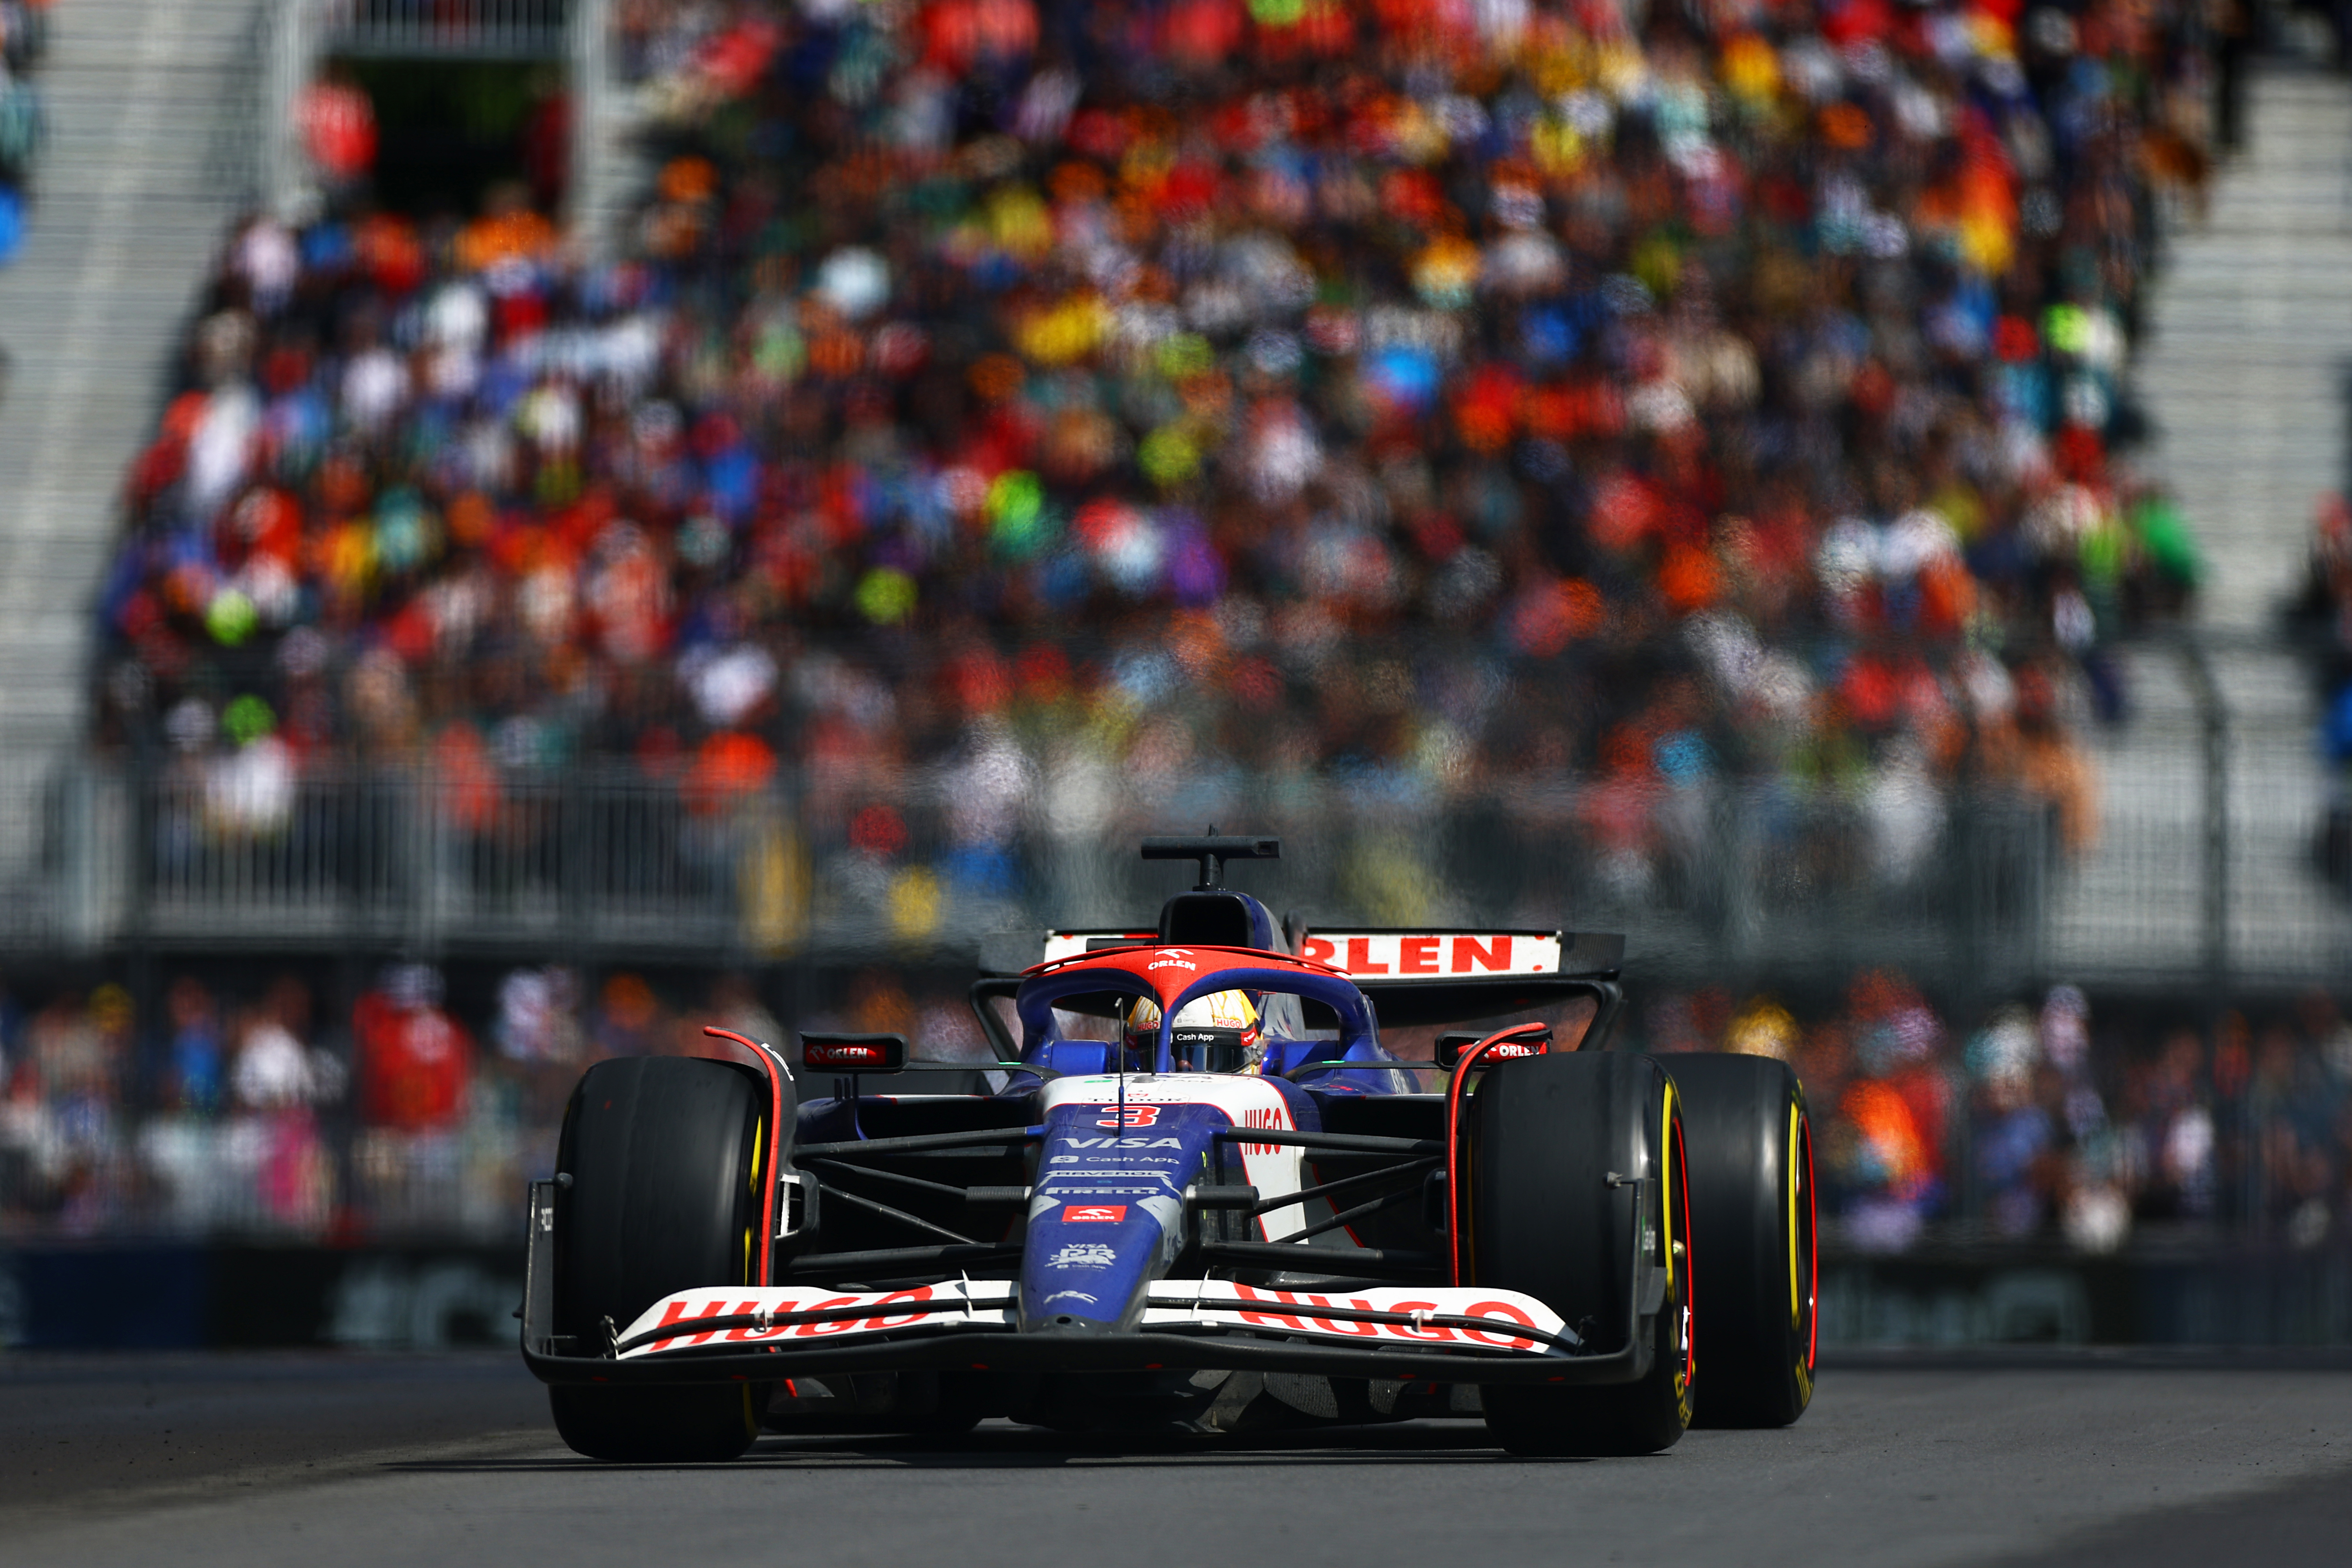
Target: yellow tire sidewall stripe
pixel 1796 1302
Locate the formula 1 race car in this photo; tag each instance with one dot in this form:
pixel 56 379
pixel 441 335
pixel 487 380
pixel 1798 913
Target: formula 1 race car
pixel 1197 1188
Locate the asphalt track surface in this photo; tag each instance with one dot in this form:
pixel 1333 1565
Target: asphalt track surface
pixel 258 1461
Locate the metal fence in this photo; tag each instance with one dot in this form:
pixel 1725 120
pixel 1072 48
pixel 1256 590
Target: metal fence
pixel 2209 876
pixel 298 36
pixel 453 29
pixel 2206 873
pixel 243 852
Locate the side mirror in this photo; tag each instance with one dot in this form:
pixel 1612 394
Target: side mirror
pixel 853 1053
pixel 1451 1044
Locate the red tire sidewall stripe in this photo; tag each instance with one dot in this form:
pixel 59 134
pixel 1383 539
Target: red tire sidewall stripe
pixel 773 1069
pixel 1812 1248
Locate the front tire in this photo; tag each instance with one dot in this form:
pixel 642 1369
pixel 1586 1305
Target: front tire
pixel 1545 1218
pixel 691 1424
pixel 1752 1214
pixel 663 1153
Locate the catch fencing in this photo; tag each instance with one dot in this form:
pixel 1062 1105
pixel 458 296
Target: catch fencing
pixel 1715 877
pixel 2212 875
pixel 2206 871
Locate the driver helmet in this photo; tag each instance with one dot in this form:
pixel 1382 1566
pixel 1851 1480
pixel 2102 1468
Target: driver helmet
pixel 1221 1032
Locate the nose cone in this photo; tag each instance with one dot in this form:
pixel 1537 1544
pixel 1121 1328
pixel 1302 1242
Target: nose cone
pixel 1108 1213
pixel 1090 1256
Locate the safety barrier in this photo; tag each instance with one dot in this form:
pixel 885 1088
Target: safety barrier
pixel 189 1296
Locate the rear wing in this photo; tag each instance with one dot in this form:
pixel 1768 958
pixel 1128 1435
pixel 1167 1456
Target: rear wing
pixel 1388 954
pixel 1427 974
pixel 1419 974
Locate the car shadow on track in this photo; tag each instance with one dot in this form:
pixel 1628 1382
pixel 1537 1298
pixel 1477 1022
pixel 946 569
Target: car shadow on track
pixel 1003 1446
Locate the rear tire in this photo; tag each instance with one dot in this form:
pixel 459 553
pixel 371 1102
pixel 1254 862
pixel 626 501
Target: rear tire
pixel 664 1197
pixel 1549 1133
pixel 1752 1214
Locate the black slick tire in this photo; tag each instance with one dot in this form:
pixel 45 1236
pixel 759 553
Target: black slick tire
pixel 663 1153
pixel 1547 1134
pixel 1752 1217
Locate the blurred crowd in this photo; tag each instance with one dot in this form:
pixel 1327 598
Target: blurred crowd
pixel 2044 1125
pixel 252 1112
pixel 23 38
pixel 1432 390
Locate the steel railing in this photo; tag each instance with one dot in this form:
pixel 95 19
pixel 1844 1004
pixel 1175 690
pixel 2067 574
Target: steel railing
pixel 2203 869
pixel 246 851
pixel 454 29
pixel 297 35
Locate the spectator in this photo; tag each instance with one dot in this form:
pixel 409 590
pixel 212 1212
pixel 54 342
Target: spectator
pixel 195 1048
pixel 537 1015
pixel 1758 382
pixel 1893 1111
pixel 734 1005
pixel 68 1105
pixel 414 1062
pixel 539 1031
pixel 1762 1028
pixel 2170 1121
pixel 23 38
pixel 274 1070
pixel 278 1081
pixel 2015 1134
pixel 630 1021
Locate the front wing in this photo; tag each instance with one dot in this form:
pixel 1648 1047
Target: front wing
pixel 759 1333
